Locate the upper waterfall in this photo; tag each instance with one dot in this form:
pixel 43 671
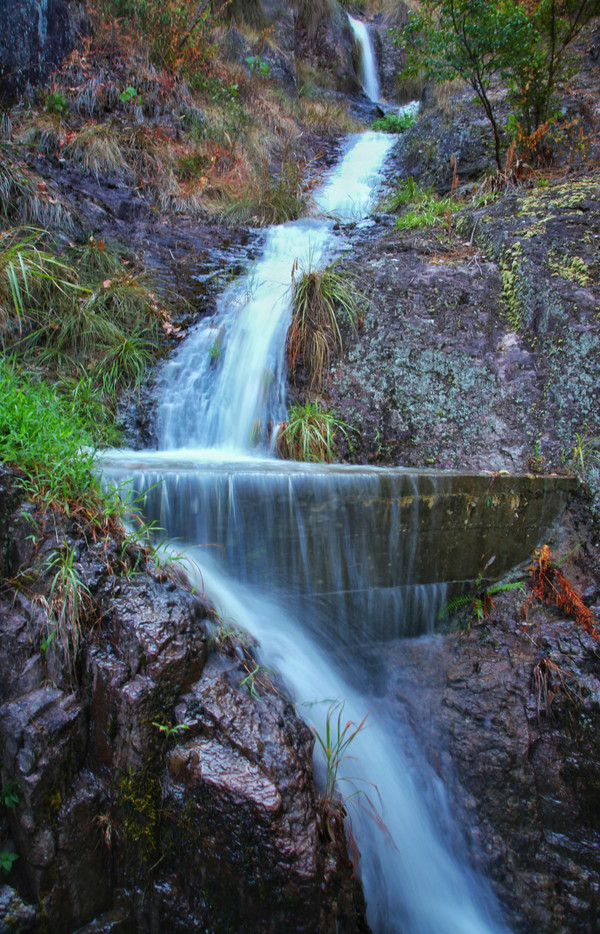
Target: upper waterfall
pixel 368 75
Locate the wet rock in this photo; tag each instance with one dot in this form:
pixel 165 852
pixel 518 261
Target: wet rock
pixel 36 36
pixel 138 762
pixel 508 714
pixel 16 917
pixel 323 37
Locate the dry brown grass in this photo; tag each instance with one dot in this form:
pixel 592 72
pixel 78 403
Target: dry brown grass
pixel 444 94
pixel 395 12
pixel 328 117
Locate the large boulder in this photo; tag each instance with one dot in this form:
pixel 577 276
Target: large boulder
pixel 154 790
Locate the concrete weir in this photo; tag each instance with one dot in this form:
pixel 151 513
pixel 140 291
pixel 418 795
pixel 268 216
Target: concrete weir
pixel 359 544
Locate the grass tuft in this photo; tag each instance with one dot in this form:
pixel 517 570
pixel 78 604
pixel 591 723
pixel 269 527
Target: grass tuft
pixel 421 206
pixel 324 301
pixel 309 434
pixel 96 149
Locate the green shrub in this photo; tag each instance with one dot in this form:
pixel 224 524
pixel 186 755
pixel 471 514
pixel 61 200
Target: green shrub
pixel 394 123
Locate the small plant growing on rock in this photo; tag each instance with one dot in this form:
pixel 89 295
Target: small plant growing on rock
pixel 6 861
pixel 69 602
pixel 9 795
pixel 335 744
pixel 549 584
pixel 169 731
pixel 479 600
pixel 585 451
pixel 259 677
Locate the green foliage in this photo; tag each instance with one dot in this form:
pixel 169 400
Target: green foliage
pixel 479 600
pixel 41 434
pixel 130 95
pixel 323 300
pixel 394 123
pixel 522 44
pixel 6 861
pixel 214 351
pixel 9 795
pixel 93 317
pixel 586 452
pixel 309 434
pixel 30 276
pixel 257 678
pixel 257 65
pixel 477 40
pixel 425 208
pixel 56 104
pixel 226 635
pixel 69 602
pixel 169 731
pixel 553 26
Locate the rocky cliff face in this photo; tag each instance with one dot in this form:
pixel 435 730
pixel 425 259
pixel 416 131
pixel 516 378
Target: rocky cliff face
pixel 35 37
pixel 509 713
pixel 152 788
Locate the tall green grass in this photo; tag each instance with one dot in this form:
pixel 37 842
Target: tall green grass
pixel 87 313
pixel 43 436
pixel 309 434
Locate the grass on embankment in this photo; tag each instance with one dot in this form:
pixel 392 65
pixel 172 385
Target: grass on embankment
pixel 78 327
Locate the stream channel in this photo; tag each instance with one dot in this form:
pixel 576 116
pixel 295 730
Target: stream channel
pixel 317 562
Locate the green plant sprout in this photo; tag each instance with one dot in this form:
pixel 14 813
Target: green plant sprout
pixel 10 795
pixel 47 640
pixel 310 434
pixel 253 678
pixel 258 65
pixel 480 598
pixel 6 861
pixel 214 351
pixel 130 94
pixel 394 123
pixel 69 601
pixel 585 450
pixel 335 743
pixel 168 731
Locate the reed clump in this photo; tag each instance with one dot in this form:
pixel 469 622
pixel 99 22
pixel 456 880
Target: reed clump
pixel 309 434
pixel 325 300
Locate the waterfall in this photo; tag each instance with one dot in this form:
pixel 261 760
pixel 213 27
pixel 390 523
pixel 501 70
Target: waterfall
pixel 314 561
pixel 227 384
pixel 367 72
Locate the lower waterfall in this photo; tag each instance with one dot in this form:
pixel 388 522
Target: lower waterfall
pixel 315 561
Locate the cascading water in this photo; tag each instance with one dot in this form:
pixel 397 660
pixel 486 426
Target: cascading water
pixel 226 380
pixel 367 73
pixel 227 384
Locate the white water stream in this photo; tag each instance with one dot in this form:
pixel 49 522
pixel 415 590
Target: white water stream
pixel 221 389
